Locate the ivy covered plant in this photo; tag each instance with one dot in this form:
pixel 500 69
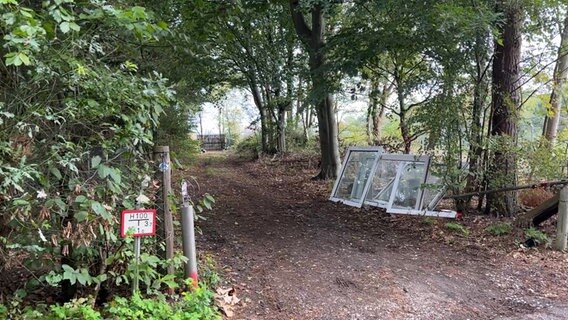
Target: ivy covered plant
pixel 77 121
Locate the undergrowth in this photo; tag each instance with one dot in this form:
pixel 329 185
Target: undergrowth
pixel 194 305
pixel 538 236
pixel 499 229
pixel 457 228
pixel 534 197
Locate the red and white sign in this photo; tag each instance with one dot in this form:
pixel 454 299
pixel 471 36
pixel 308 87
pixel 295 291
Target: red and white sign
pixel 142 222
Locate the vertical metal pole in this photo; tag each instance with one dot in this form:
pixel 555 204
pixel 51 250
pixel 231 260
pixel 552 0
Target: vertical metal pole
pixel 136 264
pixel 136 282
pixel 562 222
pixel 188 235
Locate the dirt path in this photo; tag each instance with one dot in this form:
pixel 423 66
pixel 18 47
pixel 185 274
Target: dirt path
pixel 292 254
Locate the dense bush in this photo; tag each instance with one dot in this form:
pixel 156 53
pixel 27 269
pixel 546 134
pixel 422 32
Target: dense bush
pixel 78 120
pixel 249 147
pixel 195 305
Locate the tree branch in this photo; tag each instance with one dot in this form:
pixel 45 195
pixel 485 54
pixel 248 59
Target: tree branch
pixel 302 29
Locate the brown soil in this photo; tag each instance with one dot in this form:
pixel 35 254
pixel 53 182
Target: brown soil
pixel 292 254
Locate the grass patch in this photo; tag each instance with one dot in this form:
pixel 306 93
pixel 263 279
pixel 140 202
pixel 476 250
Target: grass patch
pixel 499 229
pixel 211 172
pixel 457 228
pixel 429 221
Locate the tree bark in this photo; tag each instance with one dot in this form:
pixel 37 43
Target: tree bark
pixel 314 39
pixel 402 112
pixel 264 137
pixel 550 128
pixel 506 97
pixel 281 126
pixel 377 102
pixel 477 115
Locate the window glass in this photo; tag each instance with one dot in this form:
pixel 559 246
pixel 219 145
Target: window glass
pixel 354 176
pixel 381 186
pixel 408 192
pixel 432 189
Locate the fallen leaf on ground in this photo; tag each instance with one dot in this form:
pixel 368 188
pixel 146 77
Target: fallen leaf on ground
pixel 226 299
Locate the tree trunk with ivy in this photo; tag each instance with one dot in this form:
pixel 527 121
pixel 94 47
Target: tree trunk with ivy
pixel 506 97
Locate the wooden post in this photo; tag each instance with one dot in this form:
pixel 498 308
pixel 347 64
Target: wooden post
pixel 562 223
pixel 162 158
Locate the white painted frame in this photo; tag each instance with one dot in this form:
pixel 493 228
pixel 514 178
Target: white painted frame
pixel 403 159
pixel 358 204
pixel 399 158
pixel 401 167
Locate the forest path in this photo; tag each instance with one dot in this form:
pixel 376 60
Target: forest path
pixel 292 254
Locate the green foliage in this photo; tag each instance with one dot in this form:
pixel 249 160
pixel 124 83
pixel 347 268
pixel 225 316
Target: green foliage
pixel 206 202
pixel 457 228
pixel 352 133
pixel 77 120
pixel 175 131
pixel 194 305
pixel 249 147
pixel 208 274
pixel 540 161
pixel 538 236
pixel 499 229
pixel 3 311
pixel 76 309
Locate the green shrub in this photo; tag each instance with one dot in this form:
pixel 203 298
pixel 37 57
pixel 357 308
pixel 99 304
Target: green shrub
pixel 76 309
pixel 457 228
pixel 538 236
pixel 249 147
pixel 3 312
pixel 194 305
pixel 208 271
pixel 499 229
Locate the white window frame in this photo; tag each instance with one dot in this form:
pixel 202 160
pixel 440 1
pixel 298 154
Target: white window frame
pixel 404 160
pixel 350 151
pixel 401 158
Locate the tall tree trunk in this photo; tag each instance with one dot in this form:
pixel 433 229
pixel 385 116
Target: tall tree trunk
pixel 550 128
pixel 281 126
pixel 264 137
pixel 314 39
pixel 477 115
pixel 306 122
pixel 376 113
pixel 200 123
pixel 402 113
pixel 405 133
pixel 505 102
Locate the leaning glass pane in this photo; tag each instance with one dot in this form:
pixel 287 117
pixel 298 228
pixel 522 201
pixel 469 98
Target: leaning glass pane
pixel 381 187
pixel 357 170
pixel 408 190
pixel 432 189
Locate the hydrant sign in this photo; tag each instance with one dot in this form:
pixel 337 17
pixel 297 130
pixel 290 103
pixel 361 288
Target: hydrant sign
pixel 142 222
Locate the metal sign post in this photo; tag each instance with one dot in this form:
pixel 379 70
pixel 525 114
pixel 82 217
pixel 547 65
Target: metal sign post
pixel 188 235
pixel 137 244
pixel 141 222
